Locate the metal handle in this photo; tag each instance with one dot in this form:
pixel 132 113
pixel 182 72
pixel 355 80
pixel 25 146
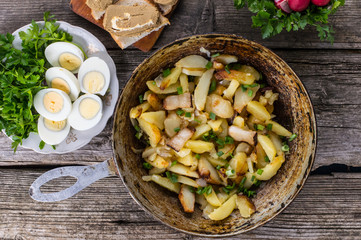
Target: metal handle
pixel 85 176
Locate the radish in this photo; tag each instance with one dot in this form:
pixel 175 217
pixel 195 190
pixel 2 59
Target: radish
pixel 283 4
pixel 298 5
pixel 320 3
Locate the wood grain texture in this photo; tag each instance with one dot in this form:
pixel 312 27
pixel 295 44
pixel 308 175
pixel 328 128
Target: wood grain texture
pixel 327 208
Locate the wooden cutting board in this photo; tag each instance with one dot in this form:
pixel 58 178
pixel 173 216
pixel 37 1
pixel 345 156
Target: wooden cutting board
pixel 145 44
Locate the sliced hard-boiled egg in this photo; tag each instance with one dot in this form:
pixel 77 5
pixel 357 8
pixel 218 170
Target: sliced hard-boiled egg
pixel 64 54
pixel 53 104
pixel 52 132
pixel 60 78
pixel 94 76
pixel 86 113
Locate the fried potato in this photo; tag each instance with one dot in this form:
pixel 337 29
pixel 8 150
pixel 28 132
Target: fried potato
pixel 156 118
pixel 151 130
pixel 166 183
pixel 224 210
pixel 171 78
pixel 258 110
pixel 267 146
pixel 201 91
pixel 192 61
pixel 245 206
pixel 135 112
pixel 187 198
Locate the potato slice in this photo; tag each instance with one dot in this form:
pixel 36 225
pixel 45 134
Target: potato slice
pixel 198 146
pixel 154 88
pixel 154 101
pixel 193 71
pixel 258 110
pixel 219 106
pixel 207 171
pixel 225 59
pixel 241 135
pixel 177 142
pixel 201 91
pixel 188 181
pixel 187 198
pixel 158 162
pixel 135 112
pixel 183 170
pixel 250 180
pixel 239 163
pixel 183 152
pixel 192 61
pixel 166 183
pixel 277 142
pixel 215 124
pixel 224 127
pixel 172 122
pixel 156 118
pixel 242 98
pixel 171 78
pixel 157 170
pixel 224 210
pixel 222 196
pixel 270 169
pixel 200 130
pixel 238 121
pixel 243 147
pixel 267 146
pixel 279 129
pixel 241 77
pixel 184 82
pixel 212 199
pixel 208 209
pixel 245 206
pixel 231 90
pixel 187 160
pixel 227 150
pixel 261 155
pixel 201 200
pixel 152 131
pixel 217 161
pixel 251 70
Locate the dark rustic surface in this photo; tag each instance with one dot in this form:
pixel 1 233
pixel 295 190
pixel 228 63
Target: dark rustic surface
pixel 327 208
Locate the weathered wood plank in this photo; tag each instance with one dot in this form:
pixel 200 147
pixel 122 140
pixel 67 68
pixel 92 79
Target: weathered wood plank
pixel 195 17
pixel 327 208
pixel 332 78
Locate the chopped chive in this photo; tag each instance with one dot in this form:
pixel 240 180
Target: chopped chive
pixel 197 120
pixel 225 190
pixel 260 127
pixel 166 72
pixel 227 165
pixel 53 147
pixel 209 189
pixel 220 153
pixel 138 135
pixel 172 177
pixel 259 171
pixel 230 172
pixel 293 136
pixel 174 163
pixel 220 142
pixel 179 112
pixel 257 183
pixel 141 99
pixel 177 129
pixel 250 93
pixel 244 88
pixel 218 167
pixel 147 165
pixel 198 156
pixel 188 115
pixel 137 128
pixel 266 159
pixel 269 126
pixel 235 66
pixel 209 65
pixel 191 189
pixel 231 155
pixel 228 140
pixel 253 177
pixel 262 85
pixel 227 69
pixel 285 148
pixel 243 180
pixel 213 86
pixel 212 116
pixel 153 83
pixel 215 55
pixel 179 90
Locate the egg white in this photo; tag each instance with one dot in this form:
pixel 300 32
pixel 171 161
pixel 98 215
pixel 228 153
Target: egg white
pixel 52 137
pixel 67 76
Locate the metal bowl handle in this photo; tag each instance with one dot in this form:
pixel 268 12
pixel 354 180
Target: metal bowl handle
pixel 85 175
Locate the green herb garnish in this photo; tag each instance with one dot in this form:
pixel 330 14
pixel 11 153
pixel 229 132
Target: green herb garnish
pixel 209 65
pixel 172 176
pixel 269 126
pixel 293 136
pixel 166 72
pixel 147 165
pixel 259 171
pixel 220 153
pixel 141 99
pixel 41 144
pixel 212 116
pixel 179 112
pixel 177 129
pixel 213 86
pixel 179 90
pixel 188 115
pixel 228 140
pixel 198 156
pixel 174 163
pixel 215 55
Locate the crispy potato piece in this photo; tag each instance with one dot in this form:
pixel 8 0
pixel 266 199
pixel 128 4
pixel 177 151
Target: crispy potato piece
pixel 238 121
pixel 267 146
pixel 157 170
pixel 152 131
pixel 270 169
pixel 239 163
pixel 207 171
pixel 187 181
pixel 158 162
pixel 241 135
pixel 219 106
pixel 183 170
pixel 171 78
pixel 193 71
pixel 208 209
pixel 192 61
pixel 227 150
pixel 245 206
pixel 187 160
pixel 212 199
pixel 154 101
pixel 242 98
pixel 248 183
pixel 135 112
pixel 198 146
pixel 224 127
pixel 277 142
pixel 258 110
pixel 218 65
pixel 251 70
pixel 261 155
pixel 231 90
pixel 200 130
pixel 183 152
pixel 184 82
pixel 224 210
pixel 241 77
pixel 154 88
pixel 217 161
pixel 201 91
pixel 215 124
pixel 225 59
pixel 166 183
pixel 172 122
pixel 187 198
pixel 279 129
pixel 156 118
pixel 243 147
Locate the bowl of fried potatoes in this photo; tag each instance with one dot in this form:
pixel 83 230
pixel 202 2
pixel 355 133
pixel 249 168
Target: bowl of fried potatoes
pixel 214 135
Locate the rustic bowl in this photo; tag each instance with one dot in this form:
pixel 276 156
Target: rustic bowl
pixel 294 111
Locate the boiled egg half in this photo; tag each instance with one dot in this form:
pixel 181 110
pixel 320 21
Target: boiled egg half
pixel 86 112
pixel 60 78
pixel 53 104
pixel 52 132
pixel 94 76
pixel 64 54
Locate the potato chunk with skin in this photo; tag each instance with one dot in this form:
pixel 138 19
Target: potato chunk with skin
pixel 219 106
pixel 241 77
pixel 201 91
pixel 154 101
pixel 172 122
pixel 156 118
pixel 270 169
pixel 187 198
pixel 166 183
pixel 152 131
pixel 208 172
pixel 258 110
pixel 135 112
pixel 267 146
pixel 224 210
pixel 198 146
pixel 241 135
pixel 171 78
pixel 177 101
pixel 192 61
pixel 245 206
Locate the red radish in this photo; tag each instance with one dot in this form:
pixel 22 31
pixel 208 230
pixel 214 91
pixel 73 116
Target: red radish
pixel 298 5
pixel 283 4
pixel 320 3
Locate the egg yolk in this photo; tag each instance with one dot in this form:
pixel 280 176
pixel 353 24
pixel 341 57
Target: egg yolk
pixel 89 108
pixel 55 126
pixel 60 84
pixel 93 82
pixel 69 61
pixel 53 102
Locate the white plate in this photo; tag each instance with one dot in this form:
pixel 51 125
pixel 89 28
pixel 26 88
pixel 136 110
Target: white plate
pixel 92 47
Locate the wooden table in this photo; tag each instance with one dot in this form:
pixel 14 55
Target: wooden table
pixel 328 207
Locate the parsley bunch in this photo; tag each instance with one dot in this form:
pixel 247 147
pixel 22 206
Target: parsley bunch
pixel 22 73
pixel 272 20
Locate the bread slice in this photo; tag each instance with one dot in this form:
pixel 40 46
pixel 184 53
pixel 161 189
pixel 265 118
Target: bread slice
pixel 166 6
pixel 126 41
pixel 97 15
